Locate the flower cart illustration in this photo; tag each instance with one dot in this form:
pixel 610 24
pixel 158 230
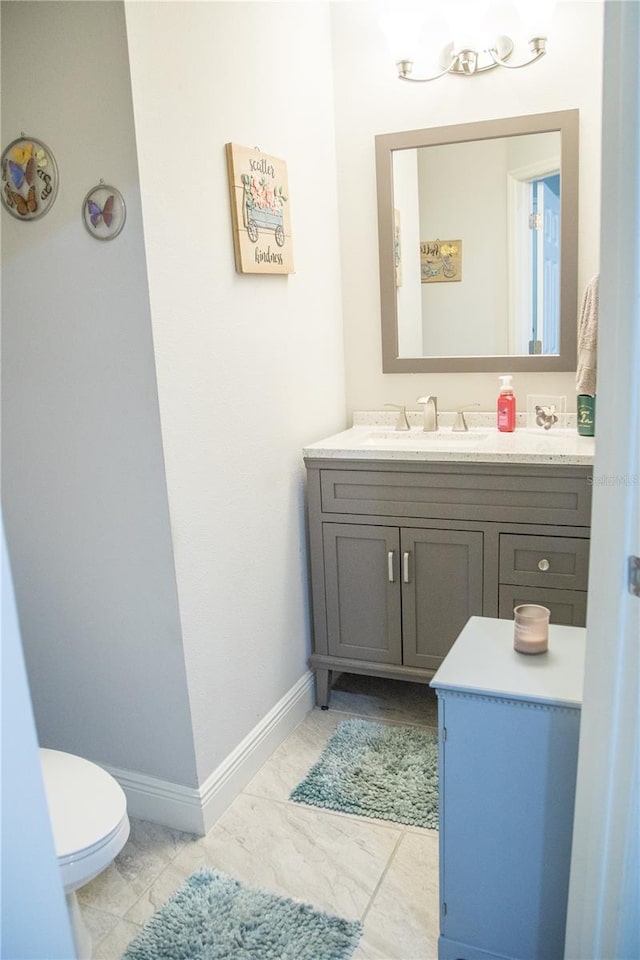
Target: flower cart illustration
pixel 262 207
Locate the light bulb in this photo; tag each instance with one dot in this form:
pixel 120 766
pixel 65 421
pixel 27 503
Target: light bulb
pixel 402 22
pixel 467 23
pixel 535 16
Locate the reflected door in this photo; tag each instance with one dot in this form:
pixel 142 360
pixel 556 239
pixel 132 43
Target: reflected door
pixel 551 265
pixel 545 266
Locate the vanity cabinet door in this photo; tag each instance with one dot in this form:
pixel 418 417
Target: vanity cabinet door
pixel 362 582
pixel 441 589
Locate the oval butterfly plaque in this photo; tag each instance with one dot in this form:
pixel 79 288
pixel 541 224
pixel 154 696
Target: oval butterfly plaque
pixel 104 212
pixel 29 178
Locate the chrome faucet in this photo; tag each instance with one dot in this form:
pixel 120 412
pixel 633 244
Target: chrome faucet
pixel 460 424
pixel 430 413
pixel 402 423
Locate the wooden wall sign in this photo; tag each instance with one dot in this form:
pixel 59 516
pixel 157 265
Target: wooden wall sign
pixel 440 261
pixel 260 211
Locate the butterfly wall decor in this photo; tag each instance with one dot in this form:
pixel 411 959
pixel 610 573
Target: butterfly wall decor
pixel 103 212
pixel 95 212
pixel 23 205
pixel 29 178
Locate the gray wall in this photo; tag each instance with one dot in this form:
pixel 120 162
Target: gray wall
pixel 84 492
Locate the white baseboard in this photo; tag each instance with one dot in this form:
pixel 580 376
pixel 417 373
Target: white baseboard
pixel 196 809
pixel 235 772
pixel 161 801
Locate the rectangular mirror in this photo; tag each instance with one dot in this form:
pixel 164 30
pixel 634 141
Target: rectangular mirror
pixel 478 238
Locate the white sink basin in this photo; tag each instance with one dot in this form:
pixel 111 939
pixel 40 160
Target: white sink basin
pixel 421 438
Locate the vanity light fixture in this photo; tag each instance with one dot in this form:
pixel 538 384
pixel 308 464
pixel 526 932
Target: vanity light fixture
pixel 466 62
pixel 478 46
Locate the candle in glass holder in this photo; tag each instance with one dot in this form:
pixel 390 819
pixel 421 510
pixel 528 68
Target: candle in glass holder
pixel 531 628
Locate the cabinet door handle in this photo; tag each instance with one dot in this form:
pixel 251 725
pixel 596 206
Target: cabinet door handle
pixel 390 566
pixel 543 565
pixel 405 567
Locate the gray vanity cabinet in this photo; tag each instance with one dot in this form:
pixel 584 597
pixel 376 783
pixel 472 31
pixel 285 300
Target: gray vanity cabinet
pixel 404 553
pixel 399 595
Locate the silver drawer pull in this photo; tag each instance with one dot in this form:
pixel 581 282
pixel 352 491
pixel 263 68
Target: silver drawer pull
pixel 390 566
pixel 405 567
pixel 543 565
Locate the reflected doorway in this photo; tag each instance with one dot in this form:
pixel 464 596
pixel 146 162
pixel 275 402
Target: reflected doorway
pixel 534 227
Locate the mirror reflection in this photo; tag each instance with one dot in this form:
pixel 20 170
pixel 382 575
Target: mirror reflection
pixel 477 247
pixel 478 243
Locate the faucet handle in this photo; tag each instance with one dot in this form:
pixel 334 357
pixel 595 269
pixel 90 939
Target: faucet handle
pixel 402 422
pixel 460 424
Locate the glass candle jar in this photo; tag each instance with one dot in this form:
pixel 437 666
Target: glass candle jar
pixel 531 628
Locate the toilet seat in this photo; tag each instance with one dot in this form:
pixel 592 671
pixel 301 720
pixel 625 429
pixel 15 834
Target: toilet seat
pixel 88 812
pixel 78 869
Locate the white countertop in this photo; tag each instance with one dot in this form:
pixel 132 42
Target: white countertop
pixel 374 437
pixel 482 661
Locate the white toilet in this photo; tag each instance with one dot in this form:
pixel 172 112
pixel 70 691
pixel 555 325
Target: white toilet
pixel 88 812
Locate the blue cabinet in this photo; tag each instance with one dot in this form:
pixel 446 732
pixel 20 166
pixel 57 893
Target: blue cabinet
pixel 509 728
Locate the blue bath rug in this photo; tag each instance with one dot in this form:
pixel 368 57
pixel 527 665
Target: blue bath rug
pixel 212 917
pixel 376 770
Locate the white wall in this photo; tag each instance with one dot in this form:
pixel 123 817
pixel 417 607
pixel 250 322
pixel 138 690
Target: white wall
pixel 369 100
pixel 250 368
pixel 406 194
pixel 473 311
pixel 84 492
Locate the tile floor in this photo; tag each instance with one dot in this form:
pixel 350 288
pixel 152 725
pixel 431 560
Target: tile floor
pixel 383 874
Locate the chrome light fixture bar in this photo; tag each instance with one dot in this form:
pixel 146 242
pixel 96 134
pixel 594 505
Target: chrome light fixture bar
pixel 467 62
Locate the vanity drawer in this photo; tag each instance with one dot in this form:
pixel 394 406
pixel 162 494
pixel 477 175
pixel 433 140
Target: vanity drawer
pixel 557 562
pixel 441 492
pixel 566 606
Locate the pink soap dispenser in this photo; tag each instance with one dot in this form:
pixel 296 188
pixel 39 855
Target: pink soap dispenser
pixel 506 406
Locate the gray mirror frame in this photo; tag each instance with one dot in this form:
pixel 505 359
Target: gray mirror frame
pixel 567 124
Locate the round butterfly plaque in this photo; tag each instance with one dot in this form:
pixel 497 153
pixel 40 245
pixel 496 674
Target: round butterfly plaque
pixel 29 178
pixel 104 212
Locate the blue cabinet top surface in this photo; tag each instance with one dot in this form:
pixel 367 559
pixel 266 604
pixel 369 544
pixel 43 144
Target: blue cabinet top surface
pixel 482 661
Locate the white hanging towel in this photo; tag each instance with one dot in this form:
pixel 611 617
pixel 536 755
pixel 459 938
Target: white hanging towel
pixel 588 339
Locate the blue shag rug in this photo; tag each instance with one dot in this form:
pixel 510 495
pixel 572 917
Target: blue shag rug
pixel 212 917
pixel 376 770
